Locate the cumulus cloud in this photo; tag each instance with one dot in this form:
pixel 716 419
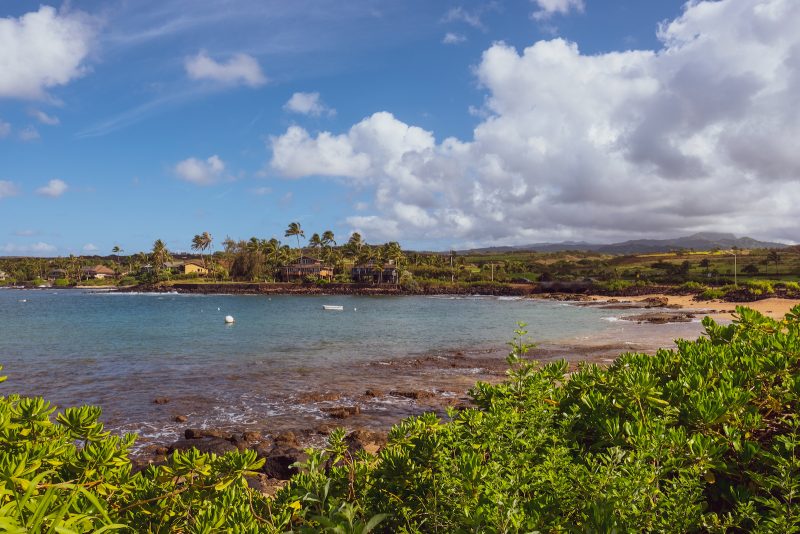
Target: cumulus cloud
pixel 548 8
pixel 201 172
pixel 39 248
pixel 54 188
pixel 5 128
pixel 44 118
pixel 308 104
pixel 90 247
pixel 695 136
pixel 8 189
pixel 240 69
pixel 453 38
pixel 29 133
pixel 43 49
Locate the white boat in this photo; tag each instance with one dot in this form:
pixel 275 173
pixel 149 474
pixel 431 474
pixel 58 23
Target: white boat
pixel 332 308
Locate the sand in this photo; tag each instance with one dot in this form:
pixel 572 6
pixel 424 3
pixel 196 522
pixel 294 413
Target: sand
pixel 772 307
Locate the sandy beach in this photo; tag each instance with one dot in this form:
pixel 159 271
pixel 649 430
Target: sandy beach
pixel 771 307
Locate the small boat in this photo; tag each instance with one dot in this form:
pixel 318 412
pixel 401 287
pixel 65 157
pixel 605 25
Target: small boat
pixel 330 307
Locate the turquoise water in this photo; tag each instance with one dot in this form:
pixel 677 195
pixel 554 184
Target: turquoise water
pixel 122 350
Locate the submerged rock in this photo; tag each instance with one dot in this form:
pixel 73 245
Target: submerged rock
pixel 342 412
pixel 415 394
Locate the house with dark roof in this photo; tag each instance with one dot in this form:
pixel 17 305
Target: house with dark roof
pixel 306 267
pixel 373 272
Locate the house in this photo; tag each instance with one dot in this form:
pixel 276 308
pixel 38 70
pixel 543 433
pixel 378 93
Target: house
pixel 56 274
pixel 375 273
pixel 3 275
pixel 98 272
pixel 306 267
pixel 191 267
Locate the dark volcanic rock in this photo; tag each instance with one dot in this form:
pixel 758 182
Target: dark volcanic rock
pixel 279 461
pixel 373 392
pixel 286 439
pixel 661 317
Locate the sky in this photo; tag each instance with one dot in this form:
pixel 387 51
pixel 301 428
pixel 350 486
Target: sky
pixel 438 124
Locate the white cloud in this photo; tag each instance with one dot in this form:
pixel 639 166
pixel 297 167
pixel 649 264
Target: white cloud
pixel 43 49
pixel 54 188
pixel 44 118
pixel 39 248
pixel 453 38
pixel 29 133
pixel 25 233
pixel 240 69
pixel 308 104
pixel 90 247
pixel 548 8
pixel 459 14
pixel 8 189
pixel 261 191
pixel 695 136
pixel 201 172
pixel 5 128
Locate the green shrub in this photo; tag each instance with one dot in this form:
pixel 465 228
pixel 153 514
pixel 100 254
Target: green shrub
pixel 615 285
pixel 702 438
pixel 760 287
pixel 128 281
pixel 793 287
pixel 692 287
pixel 61 282
pixel 711 294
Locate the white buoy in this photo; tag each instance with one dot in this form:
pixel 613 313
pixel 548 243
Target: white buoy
pixel 229 319
pixel 217 309
pixel 355 309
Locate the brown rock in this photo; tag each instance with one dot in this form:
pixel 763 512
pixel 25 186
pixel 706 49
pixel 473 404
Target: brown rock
pixel 342 412
pixel 286 439
pixel 308 398
pixel 199 433
pixel 180 419
pixel 161 400
pixel 373 392
pixel 365 440
pixel 416 394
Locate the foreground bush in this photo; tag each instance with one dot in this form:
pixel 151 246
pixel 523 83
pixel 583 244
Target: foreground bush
pixel 704 438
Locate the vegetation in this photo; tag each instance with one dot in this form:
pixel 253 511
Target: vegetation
pixel 264 260
pixel 704 438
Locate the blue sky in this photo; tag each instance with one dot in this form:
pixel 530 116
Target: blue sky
pixel 437 124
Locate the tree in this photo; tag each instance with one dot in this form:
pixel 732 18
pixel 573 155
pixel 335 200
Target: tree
pixel 328 239
pixel 159 256
pixel 315 242
pixel 355 244
pixel 201 243
pixel 295 230
pixel 774 257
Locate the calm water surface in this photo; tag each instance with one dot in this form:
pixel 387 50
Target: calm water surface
pixel 120 350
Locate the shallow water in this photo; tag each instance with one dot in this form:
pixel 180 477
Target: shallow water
pixel 121 350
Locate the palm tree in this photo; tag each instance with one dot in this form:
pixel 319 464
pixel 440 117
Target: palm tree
pixel 159 255
pixel 294 229
pixel 328 239
pixel 355 244
pixel 315 242
pixel 201 243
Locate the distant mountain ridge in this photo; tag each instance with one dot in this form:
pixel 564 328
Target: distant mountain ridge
pixel 698 241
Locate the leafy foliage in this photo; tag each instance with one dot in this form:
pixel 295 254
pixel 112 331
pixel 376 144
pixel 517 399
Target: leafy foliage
pixel 703 438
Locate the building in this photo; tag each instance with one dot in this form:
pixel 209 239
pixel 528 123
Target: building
pixel 56 274
pixel 375 273
pixel 193 267
pixel 98 272
pixel 3 275
pixel 307 267
pixel 190 267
